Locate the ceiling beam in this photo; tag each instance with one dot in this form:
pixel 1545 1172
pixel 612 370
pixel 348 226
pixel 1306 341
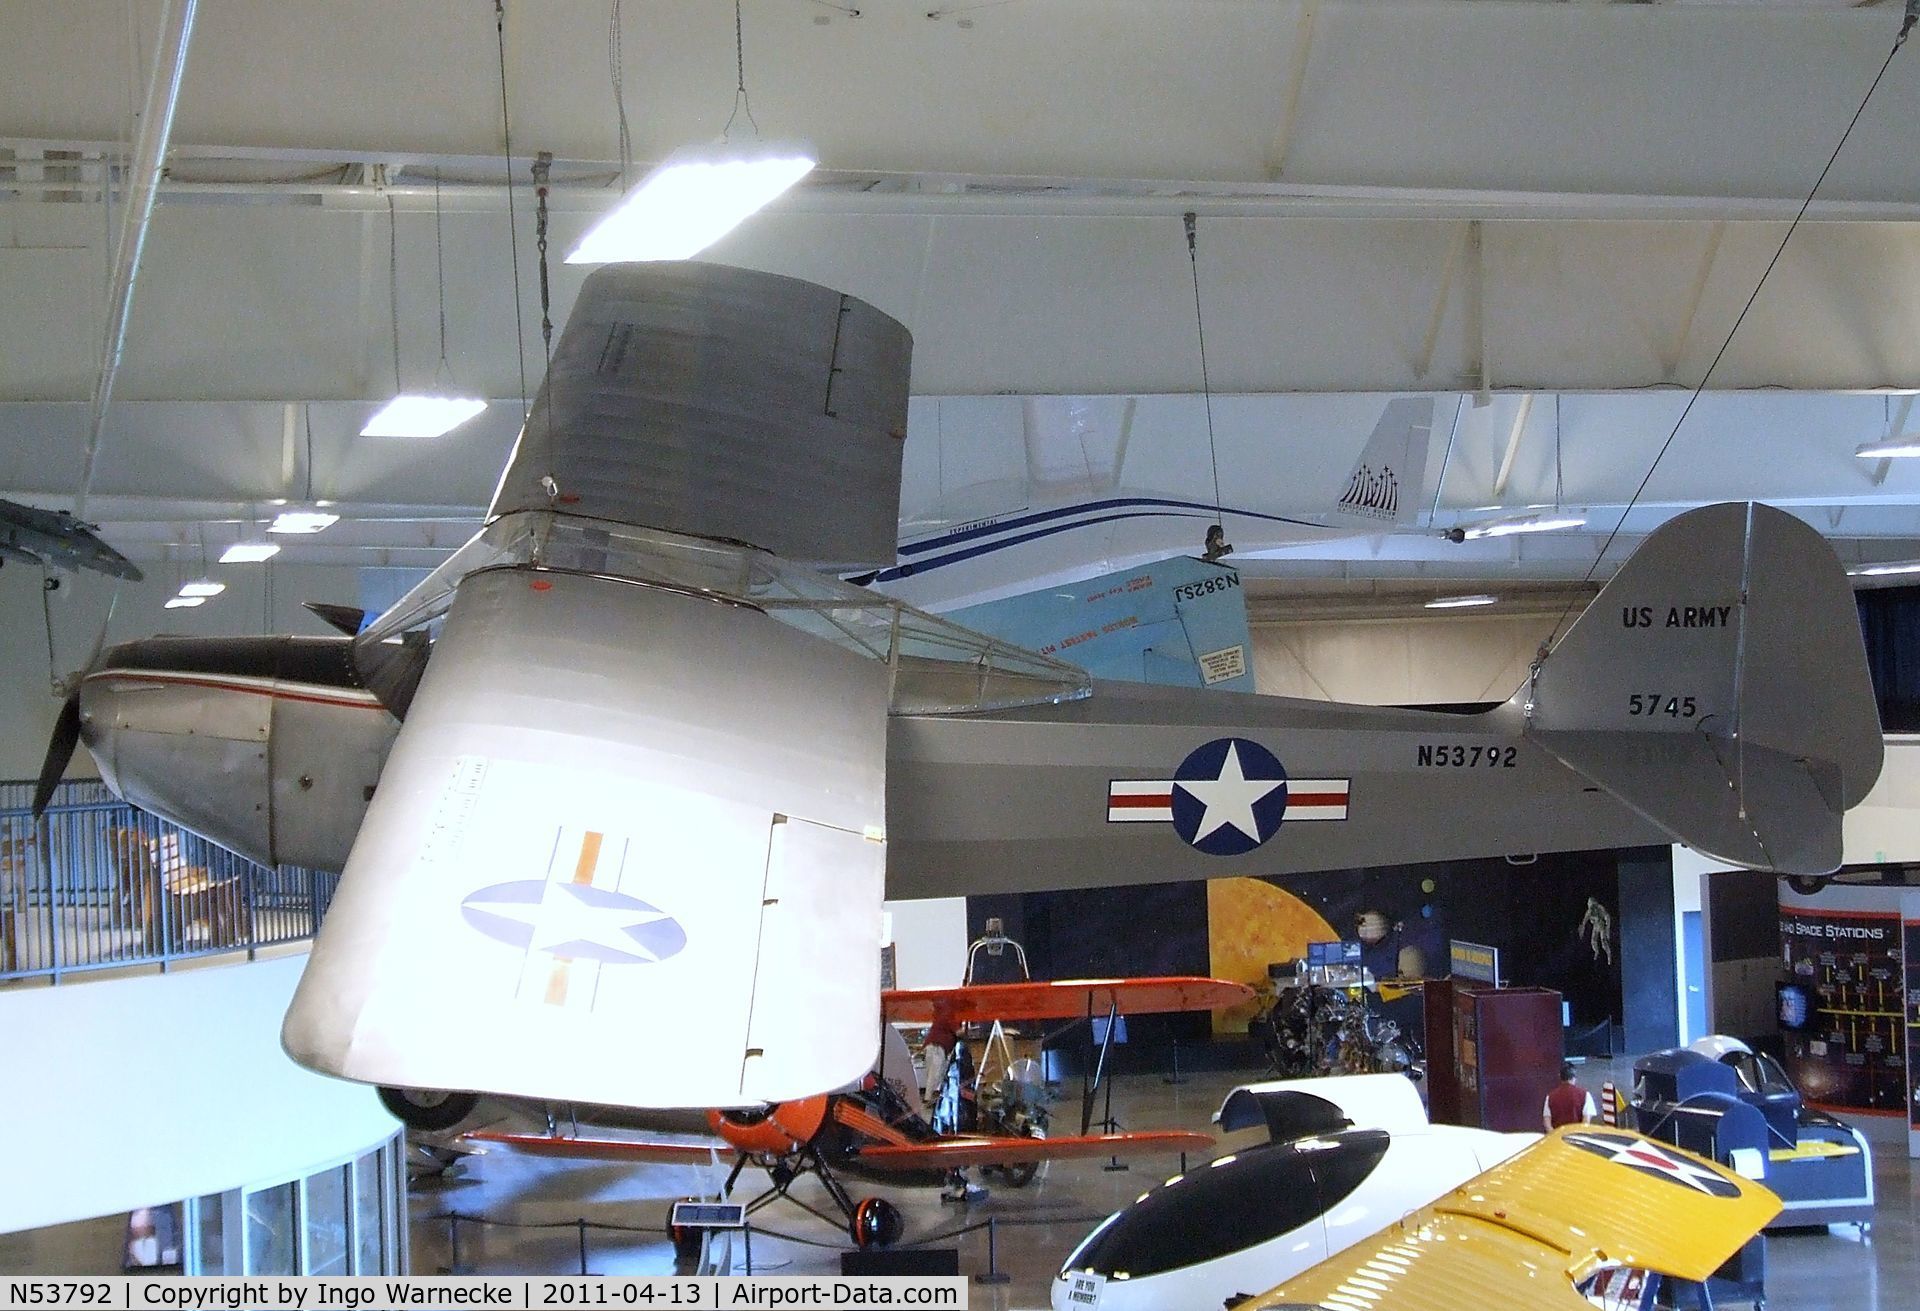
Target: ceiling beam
pixel 1296 78
pixel 149 159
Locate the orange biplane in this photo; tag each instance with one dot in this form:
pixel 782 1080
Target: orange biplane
pixel 878 1130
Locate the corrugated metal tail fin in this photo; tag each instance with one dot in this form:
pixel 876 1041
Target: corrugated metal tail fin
pixel 1718 685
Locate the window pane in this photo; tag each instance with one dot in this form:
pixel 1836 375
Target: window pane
pixel 367 1180
pixel 270 1233
pixel 325 1217
pixel 212 1213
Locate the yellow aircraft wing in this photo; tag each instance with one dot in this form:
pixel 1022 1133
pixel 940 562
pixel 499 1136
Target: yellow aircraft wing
pixel 1530 1231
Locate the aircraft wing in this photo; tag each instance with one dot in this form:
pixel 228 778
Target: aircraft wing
pixel 1062 999
pixel 608 1149
pixel 1532 1230
pixel 627 851
pixel 958 1153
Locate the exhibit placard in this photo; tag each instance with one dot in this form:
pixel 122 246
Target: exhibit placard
pixel 1474 961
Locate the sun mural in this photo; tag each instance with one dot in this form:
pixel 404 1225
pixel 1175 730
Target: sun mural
pixel 1250 924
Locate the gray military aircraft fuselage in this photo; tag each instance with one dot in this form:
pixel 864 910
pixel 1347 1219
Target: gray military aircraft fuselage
pixel 273 746
pixel 51 537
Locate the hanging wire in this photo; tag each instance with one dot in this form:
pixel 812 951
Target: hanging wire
pixel 47 585
pixel 1216 544
pixel 393 286
pixel 542 184
pixel 1757 286
pixel 740 97
pixel 1912 12
pixel 440 277
pixel 1559 472
pixel 513 223
pixel 616 74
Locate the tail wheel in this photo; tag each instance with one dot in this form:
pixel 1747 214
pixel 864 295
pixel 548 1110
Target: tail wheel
pixel 1807 885
pixel 426 1109
pixel 876 1223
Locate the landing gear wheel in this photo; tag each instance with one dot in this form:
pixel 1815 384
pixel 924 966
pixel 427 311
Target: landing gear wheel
pixel 428 1110
pixel 876 1222
pixel 1808 885
pixel 1019 1176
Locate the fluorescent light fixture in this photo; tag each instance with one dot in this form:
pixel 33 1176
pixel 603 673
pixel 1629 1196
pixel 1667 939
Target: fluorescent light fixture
pixel 696 196
pixel 249 552
pixel 302 521
pixel 1532 523
pixel 1461 602
pixel 1893 448
pixel 203 589
pixel 411 415
pixel 186 602
pixel 1884 570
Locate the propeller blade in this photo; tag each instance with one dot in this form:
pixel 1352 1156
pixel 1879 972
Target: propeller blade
pixel 66 736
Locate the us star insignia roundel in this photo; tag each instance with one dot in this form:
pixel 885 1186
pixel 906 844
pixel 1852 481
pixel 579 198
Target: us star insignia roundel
pixel 1643 1156
pixel 1226 798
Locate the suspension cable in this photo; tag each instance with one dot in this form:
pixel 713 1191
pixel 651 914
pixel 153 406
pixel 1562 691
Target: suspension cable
pixel 513 223
pixel 1216 544
pixel 1912 15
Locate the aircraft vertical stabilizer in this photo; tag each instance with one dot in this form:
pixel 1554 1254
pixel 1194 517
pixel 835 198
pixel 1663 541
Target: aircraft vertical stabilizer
pixel 1384 485
pixel 1718 685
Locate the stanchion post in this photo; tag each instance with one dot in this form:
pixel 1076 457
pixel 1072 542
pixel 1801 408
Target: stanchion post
pixel 582 1224
pixel 993 1275
pixel 746 1241
pixel 453 1242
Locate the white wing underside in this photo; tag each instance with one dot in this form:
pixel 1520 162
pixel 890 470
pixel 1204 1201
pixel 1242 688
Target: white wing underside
pixel 628 850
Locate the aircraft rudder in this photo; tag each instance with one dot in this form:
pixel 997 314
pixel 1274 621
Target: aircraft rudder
pixel 1718 685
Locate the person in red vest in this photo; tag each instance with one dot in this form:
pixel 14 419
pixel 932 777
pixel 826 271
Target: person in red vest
pixel 1567 1103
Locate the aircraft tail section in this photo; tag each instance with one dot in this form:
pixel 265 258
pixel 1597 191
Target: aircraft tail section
pixel 1385 482
pixel 1718 686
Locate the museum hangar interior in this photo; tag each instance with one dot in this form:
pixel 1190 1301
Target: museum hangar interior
pixel 1184 443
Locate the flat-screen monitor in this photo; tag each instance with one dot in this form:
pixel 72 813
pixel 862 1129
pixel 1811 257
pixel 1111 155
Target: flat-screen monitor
pixel 1795 1006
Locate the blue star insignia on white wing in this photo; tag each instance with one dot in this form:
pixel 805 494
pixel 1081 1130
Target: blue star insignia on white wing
pixel 574 922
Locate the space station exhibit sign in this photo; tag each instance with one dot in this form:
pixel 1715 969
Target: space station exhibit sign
pixel 1474 961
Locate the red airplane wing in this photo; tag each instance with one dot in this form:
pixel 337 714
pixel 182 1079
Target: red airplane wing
pixel 608 1149
pixel 1063 999
pixel 954 1153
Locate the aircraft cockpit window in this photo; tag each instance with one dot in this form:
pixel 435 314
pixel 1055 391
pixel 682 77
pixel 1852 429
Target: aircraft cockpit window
pixel 1265 1193
pixel 938 667
pixel 1760 1073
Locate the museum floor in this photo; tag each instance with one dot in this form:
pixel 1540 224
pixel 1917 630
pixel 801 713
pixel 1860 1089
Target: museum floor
pixel 531 1209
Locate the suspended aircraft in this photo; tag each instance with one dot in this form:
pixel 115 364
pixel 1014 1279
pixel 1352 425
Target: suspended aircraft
pixel 880 1130
pixel 633 770
pixel 1005 548
pixel 54 538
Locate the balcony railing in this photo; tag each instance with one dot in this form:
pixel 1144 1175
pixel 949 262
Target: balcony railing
pixel 98 884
